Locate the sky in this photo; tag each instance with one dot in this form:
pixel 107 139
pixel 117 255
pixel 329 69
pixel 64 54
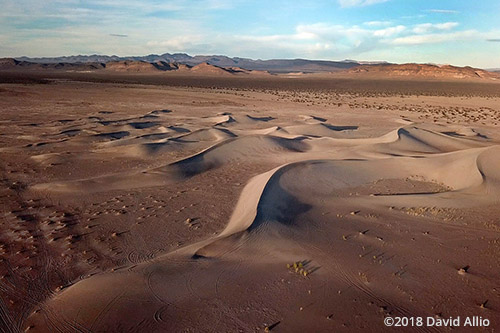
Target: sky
pixel 458 32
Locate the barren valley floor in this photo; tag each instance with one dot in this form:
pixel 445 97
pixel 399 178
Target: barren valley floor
pixel 289 204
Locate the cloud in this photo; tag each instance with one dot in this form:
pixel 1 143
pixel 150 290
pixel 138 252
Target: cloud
pixel 179 43
pixel 320 40
pixel 387 32
pixel 497 40
pixel 435 38
pixel 442 11
pixel 428 27
pixel 377 23
pixel 445 26
pixel 359 3
pixel 118 35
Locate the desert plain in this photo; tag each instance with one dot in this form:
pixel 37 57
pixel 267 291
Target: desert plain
pixel 287 203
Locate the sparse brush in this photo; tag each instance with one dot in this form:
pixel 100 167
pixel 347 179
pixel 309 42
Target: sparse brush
pixel 463 270
pixel 299 268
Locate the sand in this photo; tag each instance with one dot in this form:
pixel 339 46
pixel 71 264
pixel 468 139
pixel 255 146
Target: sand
pixel 130 207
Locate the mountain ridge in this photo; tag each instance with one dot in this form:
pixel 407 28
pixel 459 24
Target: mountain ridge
pixel 423 70
pixel 128 66
pixel 271 65
pixel 221 65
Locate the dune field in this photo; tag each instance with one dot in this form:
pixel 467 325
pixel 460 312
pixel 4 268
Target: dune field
pixel 286 206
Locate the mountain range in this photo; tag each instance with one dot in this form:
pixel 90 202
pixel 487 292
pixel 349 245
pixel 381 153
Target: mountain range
pixel 273 65
pixel 126 66
pixel 183 63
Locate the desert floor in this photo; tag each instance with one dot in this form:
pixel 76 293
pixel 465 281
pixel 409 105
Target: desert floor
pixel 149 207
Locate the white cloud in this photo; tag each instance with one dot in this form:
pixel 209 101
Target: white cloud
pixel 446 26
pixel 359 3
pixel 319 40
pixel 178 43
pixel 377 23
pixel 443 11
pixel 436 38
pixel 428 27
pixel 391 31
pixel 320 30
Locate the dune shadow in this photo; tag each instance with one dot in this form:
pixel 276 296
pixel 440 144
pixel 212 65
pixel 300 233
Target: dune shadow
pixel 278 205
pixel 113 135
pixel 340 128
pixel 143 125
pixel 265 119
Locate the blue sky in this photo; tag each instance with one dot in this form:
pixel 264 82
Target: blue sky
pixel 448 31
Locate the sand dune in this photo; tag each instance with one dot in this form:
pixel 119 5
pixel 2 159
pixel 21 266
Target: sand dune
pixel 272 222
pixel 271 217
pixel 226 146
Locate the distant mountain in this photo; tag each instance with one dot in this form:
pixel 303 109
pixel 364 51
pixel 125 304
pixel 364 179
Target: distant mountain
pixel 274 66
pixel 137 66
pixel 128 66
pixel 9 63
pixel 73 59
pixel 147 67
pixel 182 63
pixel 424 70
